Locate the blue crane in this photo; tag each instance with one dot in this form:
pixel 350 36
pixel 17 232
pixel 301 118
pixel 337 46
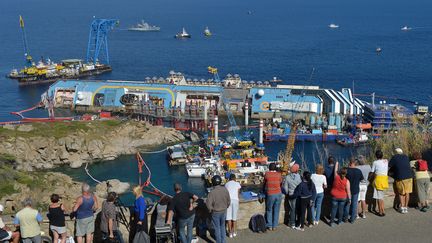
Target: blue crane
pixel 98 40
pixel 225 102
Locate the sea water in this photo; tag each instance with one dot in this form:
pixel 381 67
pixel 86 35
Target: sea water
pixel 256 39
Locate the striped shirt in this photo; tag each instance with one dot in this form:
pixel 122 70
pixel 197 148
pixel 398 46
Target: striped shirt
pixel 273 180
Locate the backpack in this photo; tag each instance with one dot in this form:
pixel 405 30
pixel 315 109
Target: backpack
pixel 422 165
pixel 257 223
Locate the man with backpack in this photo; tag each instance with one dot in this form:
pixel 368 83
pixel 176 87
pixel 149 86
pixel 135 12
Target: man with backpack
pixel 422 179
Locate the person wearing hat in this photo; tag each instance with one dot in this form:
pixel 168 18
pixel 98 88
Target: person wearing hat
pixel 6 234
pixel 401 167
pixel 218 201
pixel 291 181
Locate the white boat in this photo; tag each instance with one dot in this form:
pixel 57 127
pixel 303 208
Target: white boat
pixel 406 28
pixel 183 34
pixel 207 32
pixel 378 49
pixel 200 168
pixel 251 167
pixel 333 26
pixel 143 26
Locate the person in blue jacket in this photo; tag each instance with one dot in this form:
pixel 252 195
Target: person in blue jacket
pixel 306 194
pixel 140 208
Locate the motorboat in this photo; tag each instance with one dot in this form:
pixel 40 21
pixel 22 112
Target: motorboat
pixel 183 34
pixel 144 26
pixel 176 155
pixel 359 139
pixel 378 49
pixel 207 32
pixel 333 26
pixel 198 168
pixel 406 28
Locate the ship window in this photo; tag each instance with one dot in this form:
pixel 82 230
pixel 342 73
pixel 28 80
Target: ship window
pixel 99 99
pixel 279 97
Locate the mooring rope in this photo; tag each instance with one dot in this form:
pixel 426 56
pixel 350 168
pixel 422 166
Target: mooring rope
pixel 149 176
pixel 88 173
pixel 154 152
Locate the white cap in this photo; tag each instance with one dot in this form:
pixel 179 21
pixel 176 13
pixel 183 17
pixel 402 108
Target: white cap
pixel 399 151
pixel 1 208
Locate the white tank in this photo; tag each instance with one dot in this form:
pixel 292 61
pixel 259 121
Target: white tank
pixel 261 92
pixel 80 96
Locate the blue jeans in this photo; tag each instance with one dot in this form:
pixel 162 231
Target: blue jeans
pixel 338 206
pixel 182 223
pixel 273 203
pixel 292 211
pixel 352 208
pixel 218 220
pixel 316 209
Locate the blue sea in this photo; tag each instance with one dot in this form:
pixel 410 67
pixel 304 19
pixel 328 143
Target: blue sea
pixel 283 38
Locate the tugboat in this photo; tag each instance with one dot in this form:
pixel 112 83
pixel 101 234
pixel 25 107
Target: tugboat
pixel 182 35
pixel 406 28
pixel 333 26
pixel 207 32
pixel 145 27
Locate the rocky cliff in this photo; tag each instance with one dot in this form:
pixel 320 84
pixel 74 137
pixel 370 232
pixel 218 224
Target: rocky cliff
pixel 46 145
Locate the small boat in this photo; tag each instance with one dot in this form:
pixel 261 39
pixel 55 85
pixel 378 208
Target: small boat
pixel 207 32
pixel 183 35
pixel 406 28
pixel 176 155
pixel 333 26
pixel 145 27
pixel 357 140
pixel 378 49
pixel 199 168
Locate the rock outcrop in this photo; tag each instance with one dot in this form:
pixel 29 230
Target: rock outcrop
pixel 91 142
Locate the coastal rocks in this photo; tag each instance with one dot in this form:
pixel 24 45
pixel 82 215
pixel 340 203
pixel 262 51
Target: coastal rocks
pixel 35 150
pixel 115 186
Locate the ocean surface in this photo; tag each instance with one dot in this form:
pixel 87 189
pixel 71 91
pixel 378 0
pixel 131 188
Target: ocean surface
pixel 283 38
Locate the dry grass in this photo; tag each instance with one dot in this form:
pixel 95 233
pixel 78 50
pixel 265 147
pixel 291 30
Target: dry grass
pixel 410 139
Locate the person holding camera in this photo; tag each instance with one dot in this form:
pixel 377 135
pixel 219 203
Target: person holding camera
pixel 109 224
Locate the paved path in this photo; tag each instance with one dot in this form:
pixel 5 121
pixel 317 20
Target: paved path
pixel 413 227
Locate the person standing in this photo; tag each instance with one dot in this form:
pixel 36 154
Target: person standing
pixel 291 181
pixel 233 188
pixel 320 183
pixel 140 210
pixel 7 234
pixel 341 194
pixel 84 208
pixel 422 179
pixel 56 218
pixel 182 208
pixel 306 193
pixel 365 169
pixel 218 200
pixel 109 224
pixel 329 171
pixel 380 180
pixel 272 188
pixel 400 166
pixel 355 176
pixel 28 220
